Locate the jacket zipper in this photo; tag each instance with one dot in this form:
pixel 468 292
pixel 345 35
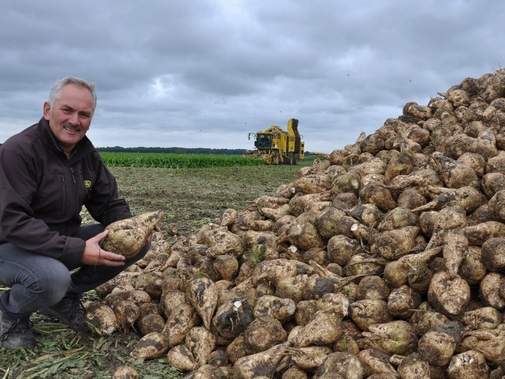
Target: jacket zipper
pixel 71 192
pixel 72 173
pixel 64 194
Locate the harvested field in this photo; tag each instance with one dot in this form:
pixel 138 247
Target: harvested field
pixel 191 198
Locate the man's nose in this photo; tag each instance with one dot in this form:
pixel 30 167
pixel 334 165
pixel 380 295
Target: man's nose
pixel 74 118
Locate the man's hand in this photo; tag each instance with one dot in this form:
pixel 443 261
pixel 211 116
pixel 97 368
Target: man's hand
pixel 94 255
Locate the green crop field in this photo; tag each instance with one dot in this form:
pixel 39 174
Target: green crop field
pixel 173 160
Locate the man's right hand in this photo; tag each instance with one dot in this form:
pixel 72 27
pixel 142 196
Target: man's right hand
pixel 94 255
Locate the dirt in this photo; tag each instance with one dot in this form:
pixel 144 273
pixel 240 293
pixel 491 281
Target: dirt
pixel 194 197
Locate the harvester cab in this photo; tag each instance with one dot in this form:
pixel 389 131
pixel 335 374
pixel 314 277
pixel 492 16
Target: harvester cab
pixel 277 146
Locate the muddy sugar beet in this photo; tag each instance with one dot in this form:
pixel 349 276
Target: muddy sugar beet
pixel 127 237
pixel 384 259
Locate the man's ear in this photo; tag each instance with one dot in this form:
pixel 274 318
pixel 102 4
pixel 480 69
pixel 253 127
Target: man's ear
pixel 46 109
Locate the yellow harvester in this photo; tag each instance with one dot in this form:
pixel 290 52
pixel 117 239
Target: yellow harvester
pixel 276 146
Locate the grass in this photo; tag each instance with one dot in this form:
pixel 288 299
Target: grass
pixel 191 198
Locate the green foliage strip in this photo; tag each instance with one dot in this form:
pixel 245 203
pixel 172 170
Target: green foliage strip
pixel 171 160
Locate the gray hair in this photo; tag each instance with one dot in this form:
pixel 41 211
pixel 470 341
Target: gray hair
pixel 58 86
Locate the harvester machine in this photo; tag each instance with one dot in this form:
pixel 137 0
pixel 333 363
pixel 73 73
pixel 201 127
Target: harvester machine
pixel 277 146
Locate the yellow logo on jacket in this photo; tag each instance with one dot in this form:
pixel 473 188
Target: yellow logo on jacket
pixel 87 184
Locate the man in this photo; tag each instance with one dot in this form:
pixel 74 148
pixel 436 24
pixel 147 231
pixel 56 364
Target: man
pixel 47 172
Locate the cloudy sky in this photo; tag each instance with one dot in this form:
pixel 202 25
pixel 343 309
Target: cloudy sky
pixel 204 73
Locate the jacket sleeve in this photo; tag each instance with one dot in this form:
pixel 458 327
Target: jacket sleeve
pixel 104 203
pixel 18 186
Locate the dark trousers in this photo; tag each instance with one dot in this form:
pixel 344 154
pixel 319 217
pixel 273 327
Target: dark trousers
pixel 37 281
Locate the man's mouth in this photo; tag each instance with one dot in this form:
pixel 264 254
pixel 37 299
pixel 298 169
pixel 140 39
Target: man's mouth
pixel 71 128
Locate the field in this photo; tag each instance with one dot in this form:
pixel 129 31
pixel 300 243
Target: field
pixel 171 160
pixel 191 198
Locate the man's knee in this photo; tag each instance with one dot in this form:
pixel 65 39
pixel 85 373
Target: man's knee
pixel 51 283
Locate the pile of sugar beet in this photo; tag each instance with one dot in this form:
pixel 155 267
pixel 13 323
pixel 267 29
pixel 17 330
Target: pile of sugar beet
pixel 386 259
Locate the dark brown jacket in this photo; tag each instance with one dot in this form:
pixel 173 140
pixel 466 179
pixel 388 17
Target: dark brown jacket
pixel 42 193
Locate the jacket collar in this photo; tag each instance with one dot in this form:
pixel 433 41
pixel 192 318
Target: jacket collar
pixel 83 147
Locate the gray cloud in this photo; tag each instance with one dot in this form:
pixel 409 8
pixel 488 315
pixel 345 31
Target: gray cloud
pixel 204 73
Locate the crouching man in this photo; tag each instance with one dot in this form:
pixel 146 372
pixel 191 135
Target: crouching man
pixel 47 259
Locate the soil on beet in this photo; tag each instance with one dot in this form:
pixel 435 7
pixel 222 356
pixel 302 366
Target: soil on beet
pixel 190 198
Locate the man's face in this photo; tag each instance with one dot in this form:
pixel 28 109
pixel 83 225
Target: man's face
pixel 70 115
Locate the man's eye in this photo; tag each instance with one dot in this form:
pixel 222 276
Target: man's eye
pixel 66 110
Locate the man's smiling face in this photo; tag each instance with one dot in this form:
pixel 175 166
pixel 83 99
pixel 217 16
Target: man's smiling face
pixel 70 115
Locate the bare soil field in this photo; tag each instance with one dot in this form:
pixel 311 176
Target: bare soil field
pixel 194 197
pixel 190 198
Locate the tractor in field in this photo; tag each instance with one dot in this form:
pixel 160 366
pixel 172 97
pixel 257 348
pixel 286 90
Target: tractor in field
pixel 277 146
